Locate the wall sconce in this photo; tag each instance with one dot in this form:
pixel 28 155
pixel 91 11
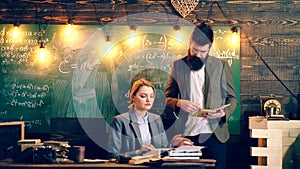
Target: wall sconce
pixel 16 30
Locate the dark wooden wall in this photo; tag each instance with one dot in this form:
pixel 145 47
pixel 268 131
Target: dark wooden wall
pixel 270 30
pixel 269 27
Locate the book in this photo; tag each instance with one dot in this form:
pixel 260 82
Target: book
pixel 186 151
pixel 157 152
pixel 203 111
pixel 186 154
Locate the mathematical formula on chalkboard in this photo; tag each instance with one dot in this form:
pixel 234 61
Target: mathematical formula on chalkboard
pixel 89 76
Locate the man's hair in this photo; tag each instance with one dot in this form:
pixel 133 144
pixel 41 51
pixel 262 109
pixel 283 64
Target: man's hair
pixel 203 34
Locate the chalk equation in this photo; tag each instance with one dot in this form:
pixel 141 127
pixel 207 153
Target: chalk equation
pixel 27 95
pixel 150 41
pixel 66 67
pixel 31 86
pixel 29 124
pixel 3 114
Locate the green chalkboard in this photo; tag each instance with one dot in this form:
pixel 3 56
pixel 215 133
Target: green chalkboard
pixel 89 73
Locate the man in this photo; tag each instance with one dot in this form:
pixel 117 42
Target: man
pixel 200 81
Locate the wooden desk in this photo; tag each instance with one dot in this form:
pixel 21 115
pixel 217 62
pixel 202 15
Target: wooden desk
pixel 7 164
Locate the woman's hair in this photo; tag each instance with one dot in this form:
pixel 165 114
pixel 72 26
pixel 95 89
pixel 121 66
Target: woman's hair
pixel 137 85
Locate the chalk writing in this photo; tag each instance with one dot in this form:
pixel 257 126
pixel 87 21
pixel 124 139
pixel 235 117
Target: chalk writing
pixel 29 104
pixel 27 95
pixel 29 124
pixel 226 54
pixel 159 42
pixel 30 86
pixel 3 114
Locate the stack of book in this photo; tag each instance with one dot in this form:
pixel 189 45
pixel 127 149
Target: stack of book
pixel 180 156
pixel 185 152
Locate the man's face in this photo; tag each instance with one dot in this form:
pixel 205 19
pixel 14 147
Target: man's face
pixel 199 51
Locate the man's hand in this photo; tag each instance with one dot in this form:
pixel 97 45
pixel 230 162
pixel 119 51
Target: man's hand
pixel 188 106
pixel 219 114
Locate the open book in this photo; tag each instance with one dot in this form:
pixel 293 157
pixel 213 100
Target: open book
pixel 203 111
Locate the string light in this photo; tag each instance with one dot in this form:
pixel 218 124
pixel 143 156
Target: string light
pixel 178 34
pixel 69 27
pixel 108 39
pixel 132 27
pixel 176 28
pixel 16 30
pixel 42 51
pixel 132 36
pixel 234 38
pixel 234 29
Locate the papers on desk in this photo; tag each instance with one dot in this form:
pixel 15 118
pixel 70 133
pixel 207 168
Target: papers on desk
pixel 188 148
pixel 187 156
pixel 173 154
pixel 153 155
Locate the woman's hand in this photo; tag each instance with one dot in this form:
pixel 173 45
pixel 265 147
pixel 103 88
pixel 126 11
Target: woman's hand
pixel 145 149
pixel 177 140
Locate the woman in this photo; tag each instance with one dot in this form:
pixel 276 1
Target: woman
pixel 138 131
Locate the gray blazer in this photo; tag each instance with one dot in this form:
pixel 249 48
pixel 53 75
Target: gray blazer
pixel 218 89
pixel 125 136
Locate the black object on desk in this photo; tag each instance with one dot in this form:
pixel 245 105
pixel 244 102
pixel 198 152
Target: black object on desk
pixel 88 132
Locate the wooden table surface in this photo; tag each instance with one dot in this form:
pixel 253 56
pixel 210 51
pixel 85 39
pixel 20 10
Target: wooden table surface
pixel 8 164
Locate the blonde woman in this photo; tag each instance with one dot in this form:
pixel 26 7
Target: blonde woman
pixel 138 131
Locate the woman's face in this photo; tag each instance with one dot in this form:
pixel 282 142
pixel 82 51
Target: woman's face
pixel 144 98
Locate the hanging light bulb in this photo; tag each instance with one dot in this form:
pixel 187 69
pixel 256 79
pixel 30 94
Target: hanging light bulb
pixel 42 52
pixel 176 28
pixel 108 38
pixel 69 27
pixel 178 34
pixel 132 39
pixel 132 27
pixel 16 30
pixel 234 38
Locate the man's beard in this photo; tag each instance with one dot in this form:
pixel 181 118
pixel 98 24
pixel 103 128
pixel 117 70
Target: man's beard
pixel 194 62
